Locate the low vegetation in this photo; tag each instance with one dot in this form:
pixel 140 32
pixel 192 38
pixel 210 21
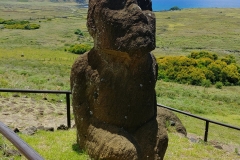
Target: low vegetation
pixel 79 48
pixel 15 24
pixel 62 145
pixel 200 68
pixel 37 59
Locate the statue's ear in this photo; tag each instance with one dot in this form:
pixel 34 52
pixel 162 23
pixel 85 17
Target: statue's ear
pixel 90 19
pixel 145 4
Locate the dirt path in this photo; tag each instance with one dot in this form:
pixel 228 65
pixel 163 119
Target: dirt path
pixel 19 112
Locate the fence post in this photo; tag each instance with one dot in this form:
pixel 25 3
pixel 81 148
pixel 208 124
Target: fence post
pixel 68 110
pixel 206 131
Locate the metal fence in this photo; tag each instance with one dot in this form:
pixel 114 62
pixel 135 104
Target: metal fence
pixel 67 93
pixel 22 146
pixel 29 153
pixel 201 118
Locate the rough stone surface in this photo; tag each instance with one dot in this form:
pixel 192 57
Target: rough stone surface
pixel 114 100
pixel 165 115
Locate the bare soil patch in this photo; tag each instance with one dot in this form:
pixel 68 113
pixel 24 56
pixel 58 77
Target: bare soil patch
pixel 21 112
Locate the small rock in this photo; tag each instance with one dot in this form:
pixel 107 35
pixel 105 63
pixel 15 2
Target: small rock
pixel 62 127
pixel 51 129
pixel 40 128
pixel 16 130
pixel 15 95
pixel 60 113
pixel 11 152
pixel 6 113
pixel 41 112
pixel 193 140
pixel 172 123
pixel 218 147
pixel 45 98
pixel 30 131
pixel 60 101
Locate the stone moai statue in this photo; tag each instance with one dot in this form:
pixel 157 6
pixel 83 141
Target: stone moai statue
pixel 113 85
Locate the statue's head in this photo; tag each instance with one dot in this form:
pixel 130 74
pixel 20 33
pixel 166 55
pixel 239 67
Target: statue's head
pixel 122 25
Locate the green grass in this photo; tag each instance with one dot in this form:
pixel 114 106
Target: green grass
pixel 62 145
pixel 221 105
pixel 61 142
pixel 194 151
pixel 35 59
pixel 215 29
pixel 52 145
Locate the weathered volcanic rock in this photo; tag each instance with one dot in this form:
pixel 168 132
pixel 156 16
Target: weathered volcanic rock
pixel 114 100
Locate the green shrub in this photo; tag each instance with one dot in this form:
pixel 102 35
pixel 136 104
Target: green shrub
pixel 204 62
pixel 229 59
pixel 216 67
pixel 219 85
pixel 230 74
pixel 203 54
pixel 206 83
pixel 79 48
pixel 2 21
pixel 34 26
pixel 199 68
pixel 78 32
pixel 15 24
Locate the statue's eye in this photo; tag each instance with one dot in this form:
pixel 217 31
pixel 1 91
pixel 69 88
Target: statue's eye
pixel 116 4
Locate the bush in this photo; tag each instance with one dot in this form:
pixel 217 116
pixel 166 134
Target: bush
pixel 219 85
pixel 79 48
pixel 206 83
pixel 1 21
pixel 15 24
pixel 229 59
pixel 78 32
pixel 230 74
pixel 199 68
pixel 203 54
pixel 216 67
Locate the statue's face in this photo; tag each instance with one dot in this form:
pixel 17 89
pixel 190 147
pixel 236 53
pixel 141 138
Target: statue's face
pixel 123 25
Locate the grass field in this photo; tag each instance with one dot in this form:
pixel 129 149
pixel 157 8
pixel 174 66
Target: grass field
pixel 35 59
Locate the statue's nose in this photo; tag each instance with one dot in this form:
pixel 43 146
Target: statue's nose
pixel 137 13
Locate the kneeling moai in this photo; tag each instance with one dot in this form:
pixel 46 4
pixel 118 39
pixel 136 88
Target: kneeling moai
pixel 113 85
